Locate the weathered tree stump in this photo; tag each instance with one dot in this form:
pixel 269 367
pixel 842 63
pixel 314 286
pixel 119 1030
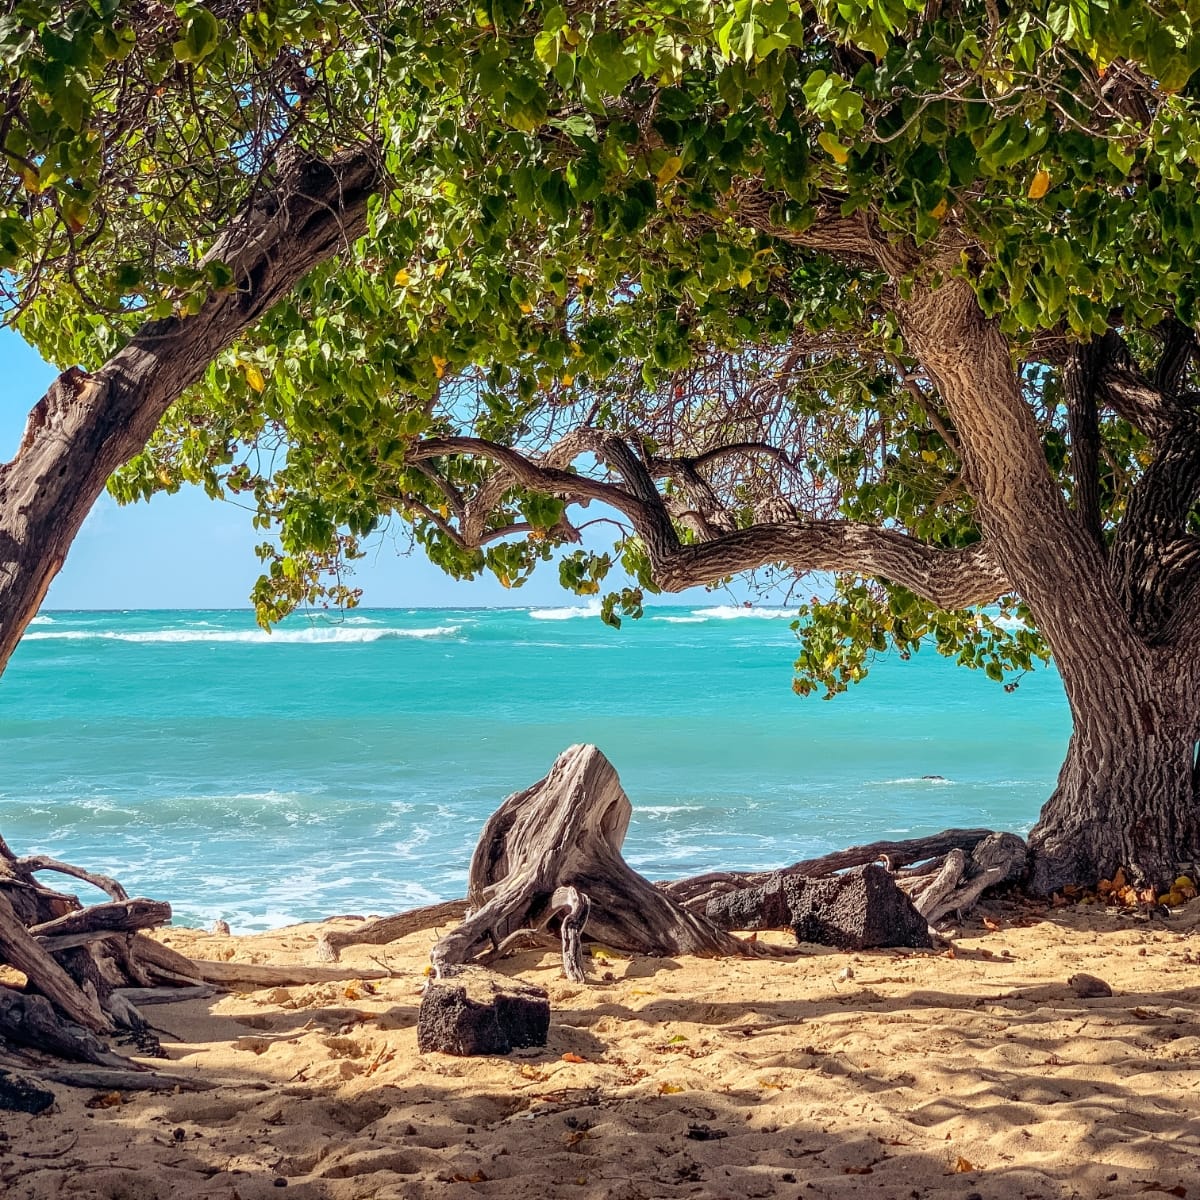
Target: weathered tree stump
pixel 565 832
pixel 476 1011
pixel 857 910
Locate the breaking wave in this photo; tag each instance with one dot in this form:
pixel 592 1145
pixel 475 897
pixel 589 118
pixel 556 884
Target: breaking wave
pixel 338 635
pixel 565 614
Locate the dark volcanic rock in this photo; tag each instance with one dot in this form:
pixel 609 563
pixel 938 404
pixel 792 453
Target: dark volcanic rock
pixel 21 1094
pixel 763 907
pixel 856 910
pixel 476 1011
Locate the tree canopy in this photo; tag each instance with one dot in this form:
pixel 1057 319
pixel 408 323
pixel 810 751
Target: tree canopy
pixel 898 290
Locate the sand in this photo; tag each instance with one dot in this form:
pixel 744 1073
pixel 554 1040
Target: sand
pixel 883 1074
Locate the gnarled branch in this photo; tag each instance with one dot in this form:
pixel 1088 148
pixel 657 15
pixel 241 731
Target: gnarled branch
pixel 948 578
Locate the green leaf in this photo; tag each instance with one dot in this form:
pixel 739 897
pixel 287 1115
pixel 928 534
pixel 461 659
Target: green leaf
pixel 201 35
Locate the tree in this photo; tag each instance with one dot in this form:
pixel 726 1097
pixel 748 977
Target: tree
pixel 895 290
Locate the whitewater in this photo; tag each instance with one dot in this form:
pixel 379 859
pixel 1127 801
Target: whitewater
pixel 346 763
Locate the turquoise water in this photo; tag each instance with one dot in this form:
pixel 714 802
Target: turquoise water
pixel 346 764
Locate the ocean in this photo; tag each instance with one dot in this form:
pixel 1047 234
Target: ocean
pixel 345 763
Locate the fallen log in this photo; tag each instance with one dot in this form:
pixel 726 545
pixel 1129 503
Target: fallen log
pixel 108 1079
pixel 997 859
pixel 166 995
pixel 172 968
pixel 527 826
pixel 566 831
pixel 29 1020
pixel 383 930
pixel 697 890
pixel 231 974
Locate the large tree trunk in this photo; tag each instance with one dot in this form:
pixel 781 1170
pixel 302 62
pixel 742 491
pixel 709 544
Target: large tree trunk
pixel 1126 794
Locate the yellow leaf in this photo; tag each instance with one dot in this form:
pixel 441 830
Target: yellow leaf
pixel 833 147
pixel 567 380
pixel 254 377
pixel 402 278
pixel 744 276
pixel 439 365
pixel 1040 185
pixel 938 211
pixel 669 1089
pixel 928 456
pixel 76 214
pixel 32 180
pixel 525 306
pixel 669 169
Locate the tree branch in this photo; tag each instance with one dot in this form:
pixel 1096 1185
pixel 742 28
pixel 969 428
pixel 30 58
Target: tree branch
pixel 85 427
pixel 851 238
pixel 947 578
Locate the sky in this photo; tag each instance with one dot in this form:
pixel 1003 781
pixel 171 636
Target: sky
pixel 187 551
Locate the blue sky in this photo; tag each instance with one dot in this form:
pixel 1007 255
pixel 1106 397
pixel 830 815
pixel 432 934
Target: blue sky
pixel 186 551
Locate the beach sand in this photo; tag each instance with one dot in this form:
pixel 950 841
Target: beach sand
pixel 976 1074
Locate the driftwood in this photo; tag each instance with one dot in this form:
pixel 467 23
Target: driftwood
pixel 565 832
pixel 32 1021
pixel 231 974
pixel 963 878
pixel 84 977
pixel 699 889
pixel 119 916
pixel 389 929
pixel 568 828
pixel 171 967
pixel 19 949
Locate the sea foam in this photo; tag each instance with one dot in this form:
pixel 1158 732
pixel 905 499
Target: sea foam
pixel 337 635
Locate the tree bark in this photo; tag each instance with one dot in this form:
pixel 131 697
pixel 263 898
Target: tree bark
pixel 1126 794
